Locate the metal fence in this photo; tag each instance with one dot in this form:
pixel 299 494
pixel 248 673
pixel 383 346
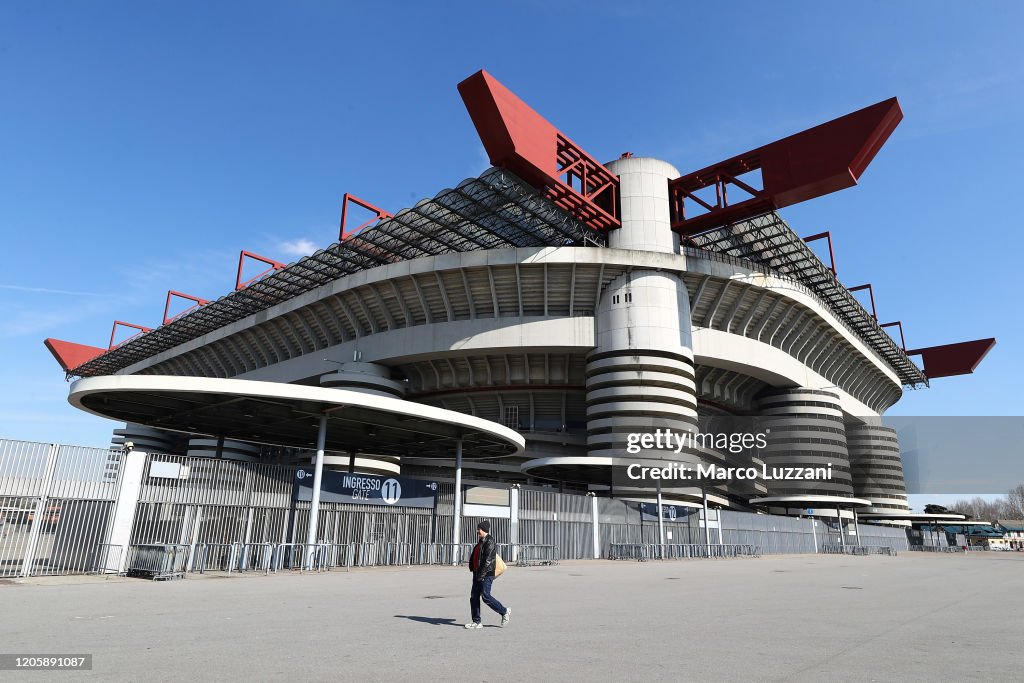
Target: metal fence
pixel 55 506
pixel 106 559
pixel 57 502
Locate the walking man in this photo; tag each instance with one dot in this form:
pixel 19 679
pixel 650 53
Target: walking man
pixel 481 564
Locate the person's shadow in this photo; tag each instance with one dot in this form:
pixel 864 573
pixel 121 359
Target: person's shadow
pixel 436 621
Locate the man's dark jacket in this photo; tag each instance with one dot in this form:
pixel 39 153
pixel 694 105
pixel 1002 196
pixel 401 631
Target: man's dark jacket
pixel 485 558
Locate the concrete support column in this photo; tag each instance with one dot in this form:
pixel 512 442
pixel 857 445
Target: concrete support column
pixel 457 511
pixel 129 485
pixel 640 375
pixel 814 534
pixel 597 530
pixel 876 466
pixel 228 449
pixel 807 430
pixel 661 523
pixel 369 378
pixel 314 505
pixel 644 205
pixel 707 529
pixel 145 439
pixel 513 522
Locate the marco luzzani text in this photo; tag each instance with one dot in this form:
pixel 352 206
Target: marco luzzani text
pixel 676 442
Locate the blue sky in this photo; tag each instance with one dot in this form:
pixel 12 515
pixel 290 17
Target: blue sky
pixel 144 144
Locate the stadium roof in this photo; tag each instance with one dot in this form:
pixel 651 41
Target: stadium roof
pixel 498 210
pixel 494 211
pixel 770 242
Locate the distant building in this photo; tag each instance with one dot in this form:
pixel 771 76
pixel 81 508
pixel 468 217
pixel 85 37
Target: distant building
pixel 1012 530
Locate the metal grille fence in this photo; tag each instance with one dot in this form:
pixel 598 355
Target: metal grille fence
pixel 773 534
pixel 55 506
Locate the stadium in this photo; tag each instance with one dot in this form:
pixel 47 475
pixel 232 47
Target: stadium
pixel 502 341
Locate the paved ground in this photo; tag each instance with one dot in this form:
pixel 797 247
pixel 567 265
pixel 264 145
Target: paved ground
pixel 910 618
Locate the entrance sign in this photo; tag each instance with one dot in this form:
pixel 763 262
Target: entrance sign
pixel 367 489
pixel 669 512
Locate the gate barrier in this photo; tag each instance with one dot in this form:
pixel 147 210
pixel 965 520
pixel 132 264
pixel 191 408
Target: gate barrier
pixel 106 559
pixel 678 551
pixel 215 557
pixel 288 556
pixel 255 557
pixel 158 561
pixel 396 553
pixel 335 555
pixel 832 549
pixel 533 554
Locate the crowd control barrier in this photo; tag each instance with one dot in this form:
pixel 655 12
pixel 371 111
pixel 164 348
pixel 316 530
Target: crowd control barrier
pixel 158 561
pixel 106 559
pixel 679 551
pixel 532 554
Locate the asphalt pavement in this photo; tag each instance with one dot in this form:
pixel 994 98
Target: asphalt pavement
pixel 916 617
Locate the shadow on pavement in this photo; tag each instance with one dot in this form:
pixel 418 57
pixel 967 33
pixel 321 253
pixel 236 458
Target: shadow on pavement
pixel 436 621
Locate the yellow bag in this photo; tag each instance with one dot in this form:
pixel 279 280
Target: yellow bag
pixel 499 566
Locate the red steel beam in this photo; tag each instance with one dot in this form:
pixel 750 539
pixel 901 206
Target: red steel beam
pixel 871 291
pixel 197 302
pixel 949 360
pixel 903 341
pixel 806 165
pixel 381 214
pixel 118 323
pixel 519 139
pixel 274 265
pixel 831 253
pixel 71 355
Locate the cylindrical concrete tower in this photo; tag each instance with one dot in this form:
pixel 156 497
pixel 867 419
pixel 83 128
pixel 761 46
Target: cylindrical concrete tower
pixel 805 430
pixel 643 192
pixel 229 449
pixel 145 438
pixel 876 466
pixel 640 374
pixel 370 378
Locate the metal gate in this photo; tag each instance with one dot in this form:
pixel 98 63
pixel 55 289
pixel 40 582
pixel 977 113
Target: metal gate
pixel 56 504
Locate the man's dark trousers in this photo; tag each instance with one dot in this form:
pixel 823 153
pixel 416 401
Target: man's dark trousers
pixel 482 589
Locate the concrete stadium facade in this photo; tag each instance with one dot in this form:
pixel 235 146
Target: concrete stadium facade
pixel 572 345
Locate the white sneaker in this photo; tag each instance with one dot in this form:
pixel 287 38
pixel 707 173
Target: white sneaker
pixel 473 624
pixel 506 617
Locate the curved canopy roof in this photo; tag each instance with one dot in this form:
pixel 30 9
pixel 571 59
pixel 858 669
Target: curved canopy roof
pixel 812 501
pixel 885 515
pixel 289 415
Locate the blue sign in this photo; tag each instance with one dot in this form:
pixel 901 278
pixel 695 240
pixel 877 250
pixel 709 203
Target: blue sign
pixel 670 513
pixel 367 489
